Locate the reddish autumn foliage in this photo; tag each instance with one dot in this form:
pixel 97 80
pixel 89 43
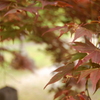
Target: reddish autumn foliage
pixel 50 21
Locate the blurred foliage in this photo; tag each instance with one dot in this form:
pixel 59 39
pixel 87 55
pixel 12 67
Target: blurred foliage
pixel 44 22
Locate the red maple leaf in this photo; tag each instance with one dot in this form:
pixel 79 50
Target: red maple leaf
pixel 62 4
pixel 56 3
pixel 93 52
pixel 63 29
pixel 94 76
pixel 61 72
pixel 20 9
pixel 81 31
pixel 70 98
pixel 4 4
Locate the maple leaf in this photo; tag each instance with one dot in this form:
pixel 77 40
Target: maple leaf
pixel 63 71
pixel 20 9
pixel 59 69
pixel 4 4
pixel 82 3
pixel 59 93
pixel 81 97
pixel 85 73
pixel 45 3
pixel 7 34
pixel 97 86
pixel 12 34
pixel 55 78
pixel 22 62
pixel 63 29
pixel 71 98
pixel 56 28
pixel 95 77
pixel 56 3
pixel 13 11
pixel 62 4
pixel 31 9
pixel 77 56
pixel 81 31
pixel 92 52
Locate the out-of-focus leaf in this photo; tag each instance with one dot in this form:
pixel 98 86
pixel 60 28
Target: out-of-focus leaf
pixel 81 97
pixel 83 94
pixel 11 34
pixel 59 93
pixel 62 32
pixel 20 9
pixel 31 9
pixel 62 4
pixel 13 11
pixel 71 98
pixel 8 34
pixel 45 3
pixel 4 4
pixel 56 28
pixel 22 62
pixel 56 3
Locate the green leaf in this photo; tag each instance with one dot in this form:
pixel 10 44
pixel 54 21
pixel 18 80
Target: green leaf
pixel 78 56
